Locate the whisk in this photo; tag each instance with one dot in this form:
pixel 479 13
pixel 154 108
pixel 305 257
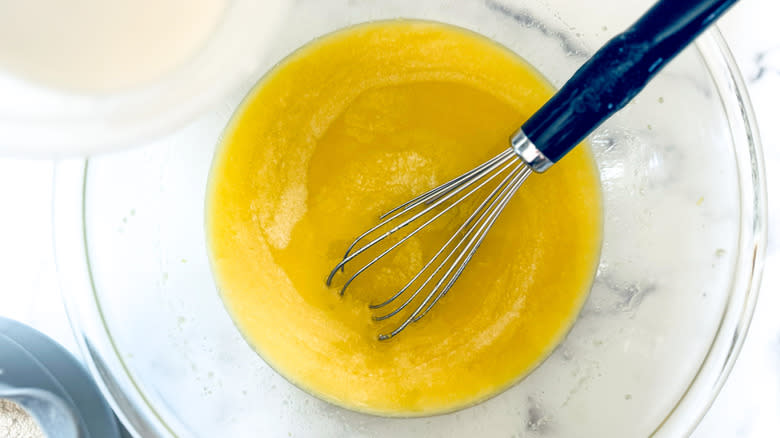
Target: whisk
pixel 601 87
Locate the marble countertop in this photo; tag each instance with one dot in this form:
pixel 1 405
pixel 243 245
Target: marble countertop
pixel 747 407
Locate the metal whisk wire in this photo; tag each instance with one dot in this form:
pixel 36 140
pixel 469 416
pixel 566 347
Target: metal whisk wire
pixel 476 226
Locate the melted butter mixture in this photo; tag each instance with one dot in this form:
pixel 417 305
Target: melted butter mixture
pixel 348 127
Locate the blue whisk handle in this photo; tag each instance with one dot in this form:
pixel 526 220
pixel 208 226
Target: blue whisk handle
pixel 617 72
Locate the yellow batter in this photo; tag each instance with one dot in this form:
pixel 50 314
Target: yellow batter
pixel 349 126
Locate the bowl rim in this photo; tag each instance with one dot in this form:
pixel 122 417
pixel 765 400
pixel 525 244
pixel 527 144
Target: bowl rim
pixel 752 241
pixel 140 417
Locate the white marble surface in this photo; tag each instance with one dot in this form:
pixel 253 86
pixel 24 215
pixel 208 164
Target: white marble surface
pixel 748 406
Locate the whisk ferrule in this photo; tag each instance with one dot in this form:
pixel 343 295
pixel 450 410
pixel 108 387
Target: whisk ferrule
pixel 528 152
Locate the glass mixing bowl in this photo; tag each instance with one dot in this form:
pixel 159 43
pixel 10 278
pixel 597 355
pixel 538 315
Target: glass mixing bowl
pixel 684 237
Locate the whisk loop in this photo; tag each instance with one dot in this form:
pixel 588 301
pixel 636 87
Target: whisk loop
pixel 457 251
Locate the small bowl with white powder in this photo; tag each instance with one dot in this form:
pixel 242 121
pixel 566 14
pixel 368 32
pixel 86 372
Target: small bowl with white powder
pixel 45 391
pixel 15 422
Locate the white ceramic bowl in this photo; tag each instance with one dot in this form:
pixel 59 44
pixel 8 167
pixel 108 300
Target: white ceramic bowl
pixel 47 119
